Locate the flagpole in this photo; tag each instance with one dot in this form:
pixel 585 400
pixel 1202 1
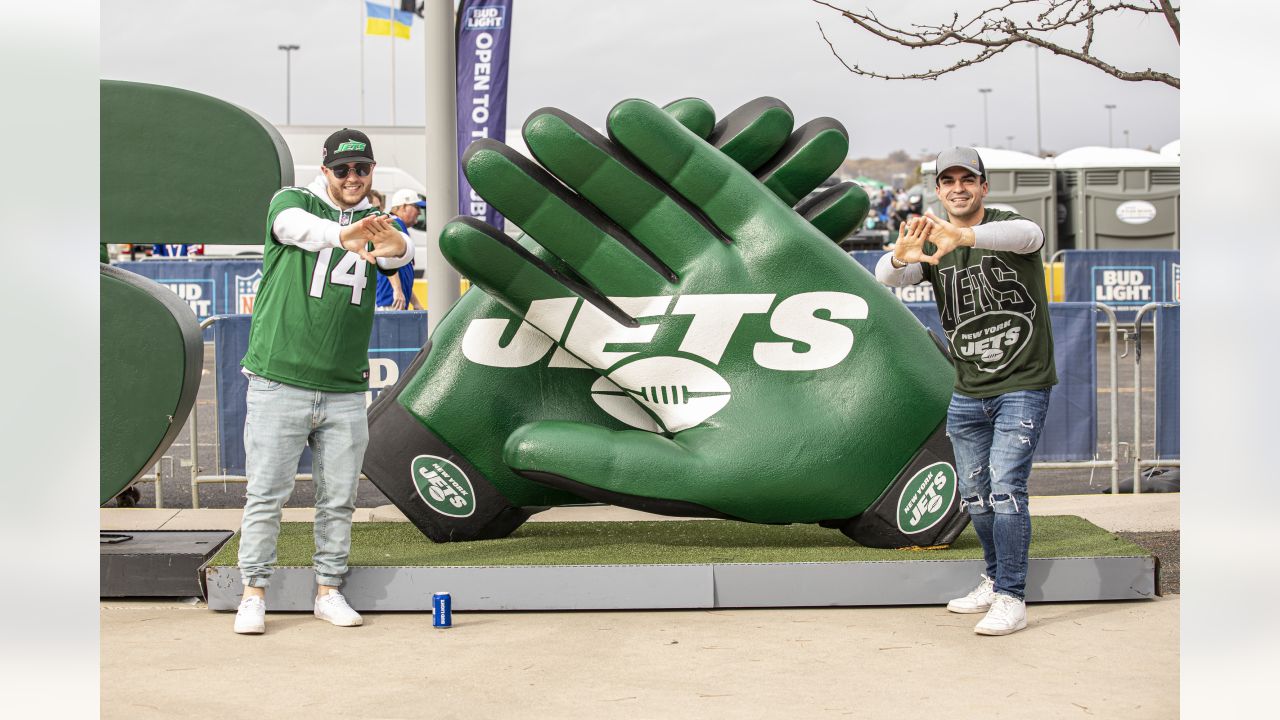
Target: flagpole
pixel 442 153
pixel 392 37
pixel 362 34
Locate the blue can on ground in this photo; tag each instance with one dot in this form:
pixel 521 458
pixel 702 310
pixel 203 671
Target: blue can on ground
pixel 441 610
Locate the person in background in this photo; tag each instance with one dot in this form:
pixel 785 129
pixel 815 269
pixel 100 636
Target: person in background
pixel 377 199
pixel 901 212
pixel 178 250
pixel 988 280
pixel 395 292
pixel 884 206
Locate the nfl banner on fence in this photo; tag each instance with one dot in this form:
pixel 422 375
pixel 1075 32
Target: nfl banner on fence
pixel 208 287
pixel 484 38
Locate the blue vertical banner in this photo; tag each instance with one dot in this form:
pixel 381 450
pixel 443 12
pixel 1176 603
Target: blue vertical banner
pixel 483 46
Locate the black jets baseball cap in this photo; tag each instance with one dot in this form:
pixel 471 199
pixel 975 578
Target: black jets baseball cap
pixel 963 157
pixel 347 146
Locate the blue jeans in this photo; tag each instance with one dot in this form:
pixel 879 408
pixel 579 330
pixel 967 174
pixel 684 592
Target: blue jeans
pixel 282 419
pixel 994 439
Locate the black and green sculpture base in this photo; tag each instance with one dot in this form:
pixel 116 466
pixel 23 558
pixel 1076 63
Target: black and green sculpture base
pixel 681 564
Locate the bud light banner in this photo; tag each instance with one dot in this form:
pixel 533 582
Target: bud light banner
pixel 922 293
pixel 484 40
pixel 209 287
pixel 394 342
pixel 1125 280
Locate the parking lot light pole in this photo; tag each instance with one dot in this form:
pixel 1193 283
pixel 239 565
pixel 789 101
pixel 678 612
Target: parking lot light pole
pixel 986 134
pixel 950 137
pixel 1111 142
pixel 288 81
pixel 1039 145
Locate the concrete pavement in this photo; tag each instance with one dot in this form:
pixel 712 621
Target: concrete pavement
pixel 1075 660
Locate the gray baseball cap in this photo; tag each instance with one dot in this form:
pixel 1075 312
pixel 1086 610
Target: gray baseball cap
pixel 965 157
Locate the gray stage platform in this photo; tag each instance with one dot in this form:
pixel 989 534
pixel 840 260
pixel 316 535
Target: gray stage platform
pixel 155 563
pixel 711 585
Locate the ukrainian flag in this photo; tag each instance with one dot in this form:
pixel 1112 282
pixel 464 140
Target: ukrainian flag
pixel 383 20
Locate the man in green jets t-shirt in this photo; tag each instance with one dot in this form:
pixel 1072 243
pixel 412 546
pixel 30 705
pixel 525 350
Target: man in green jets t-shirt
pixel 988 279
pixel 308 367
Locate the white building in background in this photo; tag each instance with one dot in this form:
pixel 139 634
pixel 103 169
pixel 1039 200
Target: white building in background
pixel 401 148
pixel 401 153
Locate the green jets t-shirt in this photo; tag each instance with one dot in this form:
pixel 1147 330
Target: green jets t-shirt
pixel 314 310
pixel 995 313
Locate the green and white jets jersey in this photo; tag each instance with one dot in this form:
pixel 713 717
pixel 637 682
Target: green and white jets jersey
pixel 995 313
pixel 314 310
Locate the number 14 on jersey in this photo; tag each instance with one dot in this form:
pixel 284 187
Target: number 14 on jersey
pixel 349 272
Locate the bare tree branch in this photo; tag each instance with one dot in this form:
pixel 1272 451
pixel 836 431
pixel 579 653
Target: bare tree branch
pixel 1088 38
pixel 994 30
pixel 1171 16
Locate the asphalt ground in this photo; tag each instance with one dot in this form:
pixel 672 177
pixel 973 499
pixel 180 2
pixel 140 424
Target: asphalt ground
pixel 173 657
pixel 175 466
pixel 1165 545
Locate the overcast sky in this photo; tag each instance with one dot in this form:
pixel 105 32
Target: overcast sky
pixel 585 55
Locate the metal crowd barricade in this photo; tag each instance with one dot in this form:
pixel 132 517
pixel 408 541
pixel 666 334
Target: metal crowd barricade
pixel 154 479
pixel 1114 413
pixel 1053 276
pixel 1112 463
pixel 1138 462
pixel 396 339
pixel 193 427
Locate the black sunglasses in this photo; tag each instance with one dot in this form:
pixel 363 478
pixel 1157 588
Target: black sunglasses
pixel 362 169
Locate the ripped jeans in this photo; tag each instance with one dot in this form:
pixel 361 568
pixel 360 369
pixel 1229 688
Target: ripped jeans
pixel 994 439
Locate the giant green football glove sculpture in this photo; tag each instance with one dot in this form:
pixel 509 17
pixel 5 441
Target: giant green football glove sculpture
pixel 769 377
pixel 453 408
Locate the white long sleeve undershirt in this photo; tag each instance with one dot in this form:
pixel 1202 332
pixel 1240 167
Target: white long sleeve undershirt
pixel 295 226
pixel 1018 236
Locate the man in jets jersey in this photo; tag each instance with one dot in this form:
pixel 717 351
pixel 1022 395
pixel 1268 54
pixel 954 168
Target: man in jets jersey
pixel 308 367
pixel 988 279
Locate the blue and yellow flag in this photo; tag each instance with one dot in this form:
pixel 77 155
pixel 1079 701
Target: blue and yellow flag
pixel 383 20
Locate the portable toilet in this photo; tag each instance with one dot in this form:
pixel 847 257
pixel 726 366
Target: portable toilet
pixel 1172 150
pixel 1118 199
pixel 1016 181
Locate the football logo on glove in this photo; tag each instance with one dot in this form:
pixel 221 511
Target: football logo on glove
pixel 677 393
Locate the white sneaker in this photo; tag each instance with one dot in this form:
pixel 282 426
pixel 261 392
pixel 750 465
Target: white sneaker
pixel 251 616
pixel 334 608
pixel 978 600
pixel 1007 615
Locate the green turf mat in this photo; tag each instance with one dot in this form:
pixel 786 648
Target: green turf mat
pixel 665 542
